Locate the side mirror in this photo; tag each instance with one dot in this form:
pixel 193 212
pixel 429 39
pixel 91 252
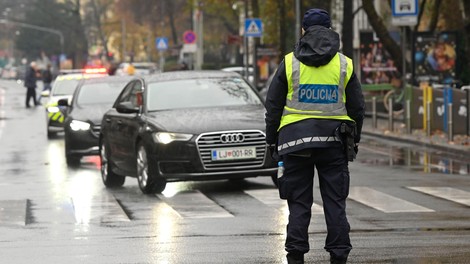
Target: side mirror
pixel 63 102
pixel 127 108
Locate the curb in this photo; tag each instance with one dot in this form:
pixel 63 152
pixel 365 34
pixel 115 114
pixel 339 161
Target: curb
pixel 462 150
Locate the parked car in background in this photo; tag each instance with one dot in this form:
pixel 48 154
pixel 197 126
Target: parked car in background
pixel 91 99
pixel 184 126
pixel 63 87
pixel 140 68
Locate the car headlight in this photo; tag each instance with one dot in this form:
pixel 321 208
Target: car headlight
pixel 76 125
pixel 165 138
pixel 53 109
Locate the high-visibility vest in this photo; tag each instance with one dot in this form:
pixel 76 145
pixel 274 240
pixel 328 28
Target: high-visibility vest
pixel 316 92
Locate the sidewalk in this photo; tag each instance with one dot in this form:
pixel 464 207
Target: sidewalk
pixel 437 139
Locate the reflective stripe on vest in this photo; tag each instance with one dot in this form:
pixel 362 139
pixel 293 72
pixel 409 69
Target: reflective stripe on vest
pixel 316 92
pixel 307 140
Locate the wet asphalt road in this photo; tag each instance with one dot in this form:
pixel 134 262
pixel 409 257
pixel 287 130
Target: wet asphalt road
pixel 407 205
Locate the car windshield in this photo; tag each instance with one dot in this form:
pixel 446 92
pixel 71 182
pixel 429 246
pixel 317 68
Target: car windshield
pixel 99 93
pixel 65 87
pixel 210 92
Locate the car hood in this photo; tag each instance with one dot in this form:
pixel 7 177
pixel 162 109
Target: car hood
pixel 90 113
pixel 199 120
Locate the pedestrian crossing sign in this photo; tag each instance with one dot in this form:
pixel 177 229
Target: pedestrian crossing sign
pixel 161 43
pixel 253 27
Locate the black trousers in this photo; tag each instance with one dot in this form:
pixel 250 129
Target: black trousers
pixel 31 93
pixel 296 185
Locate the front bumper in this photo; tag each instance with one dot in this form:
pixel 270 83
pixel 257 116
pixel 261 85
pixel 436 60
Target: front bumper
pixel 179 161
pixel 81 143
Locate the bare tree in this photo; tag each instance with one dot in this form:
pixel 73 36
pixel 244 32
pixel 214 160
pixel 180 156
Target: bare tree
pixel 382 32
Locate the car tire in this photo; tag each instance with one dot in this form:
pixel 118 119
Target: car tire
pixel 110 179
pixel 149 181
pixel 72 160
pixel 274 179
pixel 51 134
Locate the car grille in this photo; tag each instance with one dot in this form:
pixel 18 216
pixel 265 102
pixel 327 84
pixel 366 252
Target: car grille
pixel 252 138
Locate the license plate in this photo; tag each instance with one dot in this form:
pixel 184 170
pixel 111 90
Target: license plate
pixel 233 153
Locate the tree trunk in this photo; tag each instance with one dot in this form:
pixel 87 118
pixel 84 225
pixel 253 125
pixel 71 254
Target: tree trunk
pixel 281 7
pixel 382 32
pixel 434 15
pixel 466 5
pixel 97 16
pixel 347 33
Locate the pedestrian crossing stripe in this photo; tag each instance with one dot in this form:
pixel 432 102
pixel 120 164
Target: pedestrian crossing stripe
pixel 105 208
pixel 271 198
pixel 383 202
pixel 447 193
pixel 194 204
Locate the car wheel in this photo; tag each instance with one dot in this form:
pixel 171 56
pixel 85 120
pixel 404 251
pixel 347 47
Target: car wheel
pixel 51 134
pixel 72 161
pixel 110 179
pixel 148 180
pixel 274 179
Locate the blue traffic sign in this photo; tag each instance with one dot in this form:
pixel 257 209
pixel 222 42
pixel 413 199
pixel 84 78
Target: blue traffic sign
pixel 161 43
pixel 404 7
pixel 253 27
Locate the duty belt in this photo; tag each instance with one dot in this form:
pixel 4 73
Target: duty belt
pixel 307 140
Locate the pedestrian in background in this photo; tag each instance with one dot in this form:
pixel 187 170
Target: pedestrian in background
pixel 314 116
pixel 30 83
pixel 46 80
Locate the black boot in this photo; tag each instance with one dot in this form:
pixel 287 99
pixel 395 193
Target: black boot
pixel 337 260
pixel 295 258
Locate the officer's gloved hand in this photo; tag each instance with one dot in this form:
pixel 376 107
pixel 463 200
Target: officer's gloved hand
pixel 356 148
pixel 273 152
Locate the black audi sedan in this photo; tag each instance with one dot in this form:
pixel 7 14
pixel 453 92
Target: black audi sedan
pixel 184 126
pixel 91 99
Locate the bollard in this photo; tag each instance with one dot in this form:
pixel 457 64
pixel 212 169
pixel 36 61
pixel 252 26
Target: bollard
pixel 374 112
pixel 428 119
pixel 466 88
pixel 390 114
pixel 408 116
pixel 450 127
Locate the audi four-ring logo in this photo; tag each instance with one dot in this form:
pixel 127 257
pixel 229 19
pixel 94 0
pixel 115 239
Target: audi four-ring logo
pixel 232 138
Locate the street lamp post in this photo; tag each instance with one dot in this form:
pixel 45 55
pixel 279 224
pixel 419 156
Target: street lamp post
pixel 53 31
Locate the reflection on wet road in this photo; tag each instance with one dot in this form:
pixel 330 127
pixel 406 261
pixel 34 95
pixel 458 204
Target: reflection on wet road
pixel 416 158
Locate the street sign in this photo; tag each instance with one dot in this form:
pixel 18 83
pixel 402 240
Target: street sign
pixel 161 43
pixel 404 12
pixel 189 37
pixel 253 27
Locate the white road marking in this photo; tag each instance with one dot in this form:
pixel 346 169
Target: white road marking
pixel 383 202
pixel 100 209
pixel 194 204
pixel 2 113
pixel 448 193
pixel 13 212
pixel 270 197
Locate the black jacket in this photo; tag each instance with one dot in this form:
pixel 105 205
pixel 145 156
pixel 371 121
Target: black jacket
pixel 315 48
pixel 30 78
pixel 47 76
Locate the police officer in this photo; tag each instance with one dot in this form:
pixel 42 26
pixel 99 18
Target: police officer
pixel 313 105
